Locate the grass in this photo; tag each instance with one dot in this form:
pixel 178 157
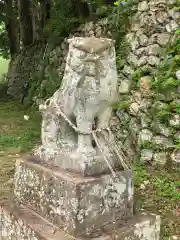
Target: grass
pixel 17 136
pixel 15 132
pixel 3 70
pixel 156 190
pixel 3 66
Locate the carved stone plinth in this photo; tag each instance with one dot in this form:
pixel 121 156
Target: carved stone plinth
pixel 19 223
pixel 91 166
pixel 52 204
pixel 80 205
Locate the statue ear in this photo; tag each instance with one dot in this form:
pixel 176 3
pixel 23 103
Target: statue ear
pixel 70 40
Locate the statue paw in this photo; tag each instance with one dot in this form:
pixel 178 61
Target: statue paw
pixel 87 151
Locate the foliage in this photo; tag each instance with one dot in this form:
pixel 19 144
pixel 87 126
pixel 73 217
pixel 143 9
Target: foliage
pixel 162 188
pixel 46 87
pixel 165 82
pixel 135 78
pixel 62 21
pixel 177 108
pixel 163 115
pixel 4 47
pixel 119 20
pixel 46 81
pixel 165 79
pixel 121 105
pixel 147 145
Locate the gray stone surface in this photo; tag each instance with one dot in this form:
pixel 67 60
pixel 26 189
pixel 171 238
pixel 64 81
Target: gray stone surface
pixel 145 136
pixel 142 61
pixel 153 50
pixel 178 75
pixel 172 26
pixel 143 40
pixel 160 158
pixel 22 223
pixel 143 6
pixel 163 39
pixel 153 61
pixel 124 86
pixel 134 109
pixel 146 155
pixel 153 28
pixel 87 90
pixel 142 227
pixel 79 205
pixel 175 120
pixel 161 128
pixel 175 156
pixel 162 142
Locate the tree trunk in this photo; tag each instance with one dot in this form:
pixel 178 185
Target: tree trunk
pixel 26 25
pixel 45 11
pixel 42 12
pixel 12 29
pixel 37 31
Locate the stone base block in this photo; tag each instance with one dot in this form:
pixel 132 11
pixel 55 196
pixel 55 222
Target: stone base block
pixel 19 222
pixel 77 163
pixel 142 226
pixel 79 205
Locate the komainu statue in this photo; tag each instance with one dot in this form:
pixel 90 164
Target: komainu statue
pixel 81 105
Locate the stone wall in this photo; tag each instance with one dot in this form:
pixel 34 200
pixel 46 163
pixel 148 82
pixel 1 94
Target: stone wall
pixel 23 68
pixel 135 121
pixel 156 138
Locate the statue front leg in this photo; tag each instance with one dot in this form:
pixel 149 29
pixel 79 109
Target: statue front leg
pixel 49 135
pixel 50 129
pixel 84 125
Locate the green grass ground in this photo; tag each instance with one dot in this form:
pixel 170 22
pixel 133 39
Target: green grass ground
pixel 156 190
pixel 17 136
pixel 3 66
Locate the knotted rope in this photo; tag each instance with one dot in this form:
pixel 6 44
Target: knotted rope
pixel 114 146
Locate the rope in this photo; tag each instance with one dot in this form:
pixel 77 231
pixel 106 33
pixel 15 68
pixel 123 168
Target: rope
pixel 125 165
pixel 105 158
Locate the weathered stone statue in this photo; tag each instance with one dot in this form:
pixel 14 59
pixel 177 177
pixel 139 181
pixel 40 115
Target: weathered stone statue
pixel 53 203
pixel 88 89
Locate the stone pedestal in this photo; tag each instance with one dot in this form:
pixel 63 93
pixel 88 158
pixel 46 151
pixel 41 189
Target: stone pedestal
pixel 19 223
pixel 51 204
pixel 80 205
